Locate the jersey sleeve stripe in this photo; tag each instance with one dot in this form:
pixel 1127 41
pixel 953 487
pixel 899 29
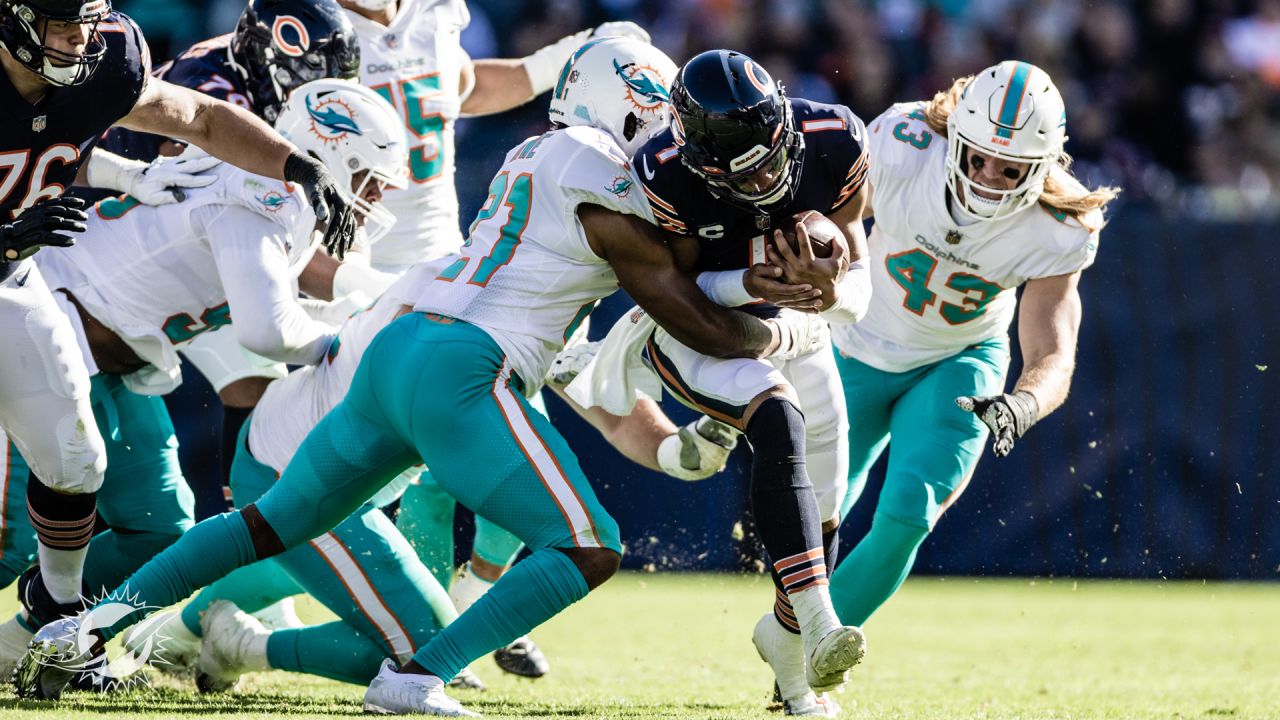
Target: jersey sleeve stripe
pixel 658 201
pixel 666 154
pixel 856 178
pixel 669 223
pixel 820 125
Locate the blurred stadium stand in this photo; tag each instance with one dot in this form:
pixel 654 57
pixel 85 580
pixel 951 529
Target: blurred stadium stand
pixel 1161 464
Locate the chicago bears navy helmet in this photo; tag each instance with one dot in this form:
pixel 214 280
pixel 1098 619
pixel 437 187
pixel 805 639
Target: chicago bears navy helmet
pixel 733 127
pixel 281 44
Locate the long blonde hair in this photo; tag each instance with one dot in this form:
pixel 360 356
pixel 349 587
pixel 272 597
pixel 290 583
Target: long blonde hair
pixel 1062 194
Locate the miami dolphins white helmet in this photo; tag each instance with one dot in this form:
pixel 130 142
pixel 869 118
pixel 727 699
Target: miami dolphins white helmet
pixel 1014 112
pixel 619 85
pixel 351 129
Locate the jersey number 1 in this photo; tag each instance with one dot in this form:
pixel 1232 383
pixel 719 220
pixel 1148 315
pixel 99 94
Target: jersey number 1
pixel 518 197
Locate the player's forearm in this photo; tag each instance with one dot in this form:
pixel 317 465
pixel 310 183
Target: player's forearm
pixel 1048 378
pixel 637 437
pixel 239 137
pixel 221 129
pixel 500 85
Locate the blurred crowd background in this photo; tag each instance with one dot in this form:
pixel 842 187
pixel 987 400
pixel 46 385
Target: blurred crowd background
pixel 1176 101
pixel 1160 465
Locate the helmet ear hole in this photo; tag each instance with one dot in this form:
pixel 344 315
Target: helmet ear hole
pixel 631 126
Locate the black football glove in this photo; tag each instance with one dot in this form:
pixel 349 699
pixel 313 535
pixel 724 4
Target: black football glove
pixel 45 223
pixel 1008 416
pixel 330 205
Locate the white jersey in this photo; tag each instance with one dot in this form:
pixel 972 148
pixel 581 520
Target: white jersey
pixel 939 286
pixel 292 405
pixel 526 274
pixel 416 64
pixel 160 276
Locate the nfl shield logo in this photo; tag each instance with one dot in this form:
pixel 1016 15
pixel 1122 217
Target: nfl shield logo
pixel 39 123
pixel 953 237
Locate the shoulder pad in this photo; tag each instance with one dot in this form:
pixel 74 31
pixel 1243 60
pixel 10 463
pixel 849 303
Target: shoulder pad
pixel 666 182
pixel 123 73
pixel 900 141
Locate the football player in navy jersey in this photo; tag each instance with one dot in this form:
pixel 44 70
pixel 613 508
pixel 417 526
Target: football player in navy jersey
pixel 72 69
pixel 740 159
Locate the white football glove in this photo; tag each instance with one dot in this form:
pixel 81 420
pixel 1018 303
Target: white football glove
pixel 800 334
pixel 571 361
pixel 158 182
pixel 544 66
pixel 698 451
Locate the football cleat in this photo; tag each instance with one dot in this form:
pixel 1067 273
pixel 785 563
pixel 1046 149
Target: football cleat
pixel 175 647
pixel 784 652
pixel 396 693
pixel 53 657
pixel 41 608
pixel 467 680
pixel 522 657
pixel 234 643
pixel 833 655
pixel 14 638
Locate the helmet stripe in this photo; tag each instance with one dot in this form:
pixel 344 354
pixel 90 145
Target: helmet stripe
pixel 563 80
pixel 1013 99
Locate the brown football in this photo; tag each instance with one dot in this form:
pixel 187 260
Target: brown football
pixel 822 232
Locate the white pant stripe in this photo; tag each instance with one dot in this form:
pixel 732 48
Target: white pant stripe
pixel 366 598
pixel 575 513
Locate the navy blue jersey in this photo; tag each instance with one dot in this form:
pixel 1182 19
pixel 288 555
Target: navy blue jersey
pixel 835 164
pixel 43 145
pixel 204 67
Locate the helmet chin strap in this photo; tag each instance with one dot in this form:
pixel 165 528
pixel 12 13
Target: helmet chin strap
pixel 978 205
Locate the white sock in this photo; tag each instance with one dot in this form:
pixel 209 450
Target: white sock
pixel 62 572
pixel 814 612
pixel 13 644
pixel 255 653
pixel 468 588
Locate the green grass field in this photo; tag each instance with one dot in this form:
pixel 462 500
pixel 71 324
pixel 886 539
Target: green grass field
pixel 678 646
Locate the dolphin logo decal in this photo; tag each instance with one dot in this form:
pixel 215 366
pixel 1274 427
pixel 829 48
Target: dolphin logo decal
pixel 333 120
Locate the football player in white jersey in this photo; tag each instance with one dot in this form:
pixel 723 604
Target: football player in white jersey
pixel 138 287
pixel 973 198
pixel 444 384
pixel 364 570
pixel 412 55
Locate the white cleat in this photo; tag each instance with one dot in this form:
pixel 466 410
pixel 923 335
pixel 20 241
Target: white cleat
pixel 13 645
pixel 234 643
pixel 280 615
pixel 395 693
pixel 833 655
pixel 54 655
pixel 165 639
pixel 784 652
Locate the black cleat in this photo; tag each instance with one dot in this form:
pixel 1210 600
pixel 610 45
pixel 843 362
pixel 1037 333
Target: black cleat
pixel 522 658
pixel 39 604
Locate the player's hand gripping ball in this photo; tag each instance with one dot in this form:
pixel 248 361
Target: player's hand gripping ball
pixel 824 236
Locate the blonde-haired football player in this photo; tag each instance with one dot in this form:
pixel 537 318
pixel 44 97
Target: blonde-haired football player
pixel 973 198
